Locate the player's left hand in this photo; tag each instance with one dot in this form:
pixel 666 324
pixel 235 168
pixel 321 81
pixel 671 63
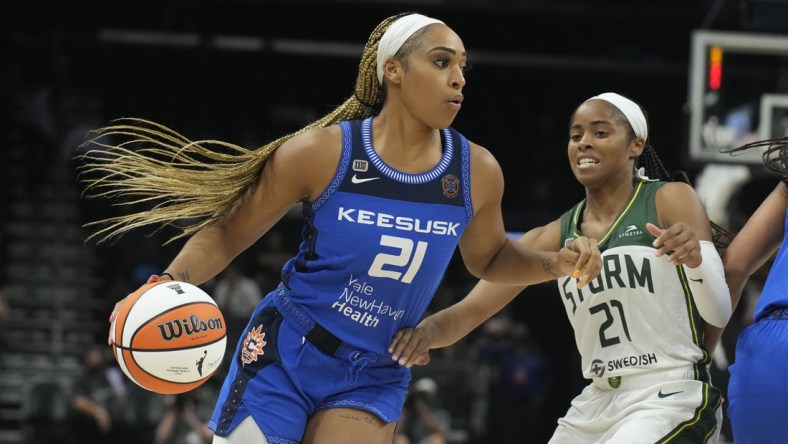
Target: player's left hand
pixel 678 242
pixel 410 346
pixel 581 259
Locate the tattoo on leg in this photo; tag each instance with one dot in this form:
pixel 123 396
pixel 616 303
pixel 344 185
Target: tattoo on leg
pixel 360 419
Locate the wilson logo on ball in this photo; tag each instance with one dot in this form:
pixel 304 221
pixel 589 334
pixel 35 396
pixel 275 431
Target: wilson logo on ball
pixel 191 325
pixel 170 337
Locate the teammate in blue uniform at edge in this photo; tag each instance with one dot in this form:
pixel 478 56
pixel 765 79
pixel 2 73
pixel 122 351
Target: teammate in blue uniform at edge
pixel 757 390
pixel 388 191
pixel 639 327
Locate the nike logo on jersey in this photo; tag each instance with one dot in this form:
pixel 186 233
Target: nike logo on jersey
pixel 665 395
pixel 356 179
pixel 700 281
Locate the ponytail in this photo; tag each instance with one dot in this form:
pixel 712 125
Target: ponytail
pixel 194 183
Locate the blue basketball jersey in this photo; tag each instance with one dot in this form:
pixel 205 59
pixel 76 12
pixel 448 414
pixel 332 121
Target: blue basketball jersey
pixel 377 242
pixel 757 387
pixel 774 294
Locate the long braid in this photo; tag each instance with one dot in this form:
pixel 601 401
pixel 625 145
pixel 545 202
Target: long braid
pixel 194 182
pixel 775 155
pixel 652 164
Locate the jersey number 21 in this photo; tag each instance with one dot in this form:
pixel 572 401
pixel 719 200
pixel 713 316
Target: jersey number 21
pixel 407 261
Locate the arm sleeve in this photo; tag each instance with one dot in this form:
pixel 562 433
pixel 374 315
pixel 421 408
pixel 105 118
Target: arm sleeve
pixel 708 286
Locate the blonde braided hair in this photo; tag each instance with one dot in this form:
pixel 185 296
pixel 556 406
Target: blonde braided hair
pixel 194 182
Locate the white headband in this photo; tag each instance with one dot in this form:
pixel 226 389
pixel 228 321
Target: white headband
pixel 396 34
pixel 631 111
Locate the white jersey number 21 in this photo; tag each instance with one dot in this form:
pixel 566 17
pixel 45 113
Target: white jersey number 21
pixel 407 261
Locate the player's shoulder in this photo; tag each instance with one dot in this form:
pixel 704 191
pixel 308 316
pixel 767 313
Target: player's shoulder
pixel 675 194
pixel 314 146
pixel 675 189
pixel 482 157
pixel 316 137
pixel 309 159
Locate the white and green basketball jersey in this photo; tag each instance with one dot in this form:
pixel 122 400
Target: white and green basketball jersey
pixel 638 315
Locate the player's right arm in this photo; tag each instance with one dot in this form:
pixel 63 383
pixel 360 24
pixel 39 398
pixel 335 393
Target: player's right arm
pixel 441 329
pixel 757 241
pixel 298 171
pixel 753 245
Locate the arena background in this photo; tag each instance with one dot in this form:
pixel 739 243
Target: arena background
pixel 249 71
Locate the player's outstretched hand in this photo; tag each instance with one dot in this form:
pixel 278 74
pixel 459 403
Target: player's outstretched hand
pixel 411 346
pixel 114 314
pixel 581 259
pixel 678 242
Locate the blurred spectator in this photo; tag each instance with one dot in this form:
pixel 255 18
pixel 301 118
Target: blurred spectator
pixel 518 383
pixel 4 311
pixel 274 252
pixel 182 421
pixel 423 421
pixel 236 295
pixel 45 413
pixel 97 401
pixel 143 410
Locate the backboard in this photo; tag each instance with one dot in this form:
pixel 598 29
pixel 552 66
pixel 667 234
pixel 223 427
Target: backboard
pixel 738 93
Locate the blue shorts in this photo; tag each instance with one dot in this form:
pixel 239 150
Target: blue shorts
pixel 758 386
pixel 281 379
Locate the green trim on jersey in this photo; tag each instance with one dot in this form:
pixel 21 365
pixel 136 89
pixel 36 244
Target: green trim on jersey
pixel 698 331
pixel 639 210
pixel 629 230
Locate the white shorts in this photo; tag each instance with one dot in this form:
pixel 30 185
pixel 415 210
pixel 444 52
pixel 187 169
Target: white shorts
pixel 643 411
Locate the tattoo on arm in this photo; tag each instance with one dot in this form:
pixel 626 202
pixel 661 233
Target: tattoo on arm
pixel 183 276
pixel 547 266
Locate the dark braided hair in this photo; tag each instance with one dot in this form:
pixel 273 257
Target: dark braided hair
pixel 775 156
pixel 652 164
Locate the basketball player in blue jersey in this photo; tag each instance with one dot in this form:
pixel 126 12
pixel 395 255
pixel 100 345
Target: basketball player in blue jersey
pixel 758 385
pixel 639 326
pixel 388 192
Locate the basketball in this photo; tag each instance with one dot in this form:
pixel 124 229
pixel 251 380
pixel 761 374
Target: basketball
pixel 169 337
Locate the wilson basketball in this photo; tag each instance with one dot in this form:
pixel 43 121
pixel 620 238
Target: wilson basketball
pixel 169 337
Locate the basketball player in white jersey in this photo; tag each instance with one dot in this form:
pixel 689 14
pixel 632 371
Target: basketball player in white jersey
pixel 639 325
